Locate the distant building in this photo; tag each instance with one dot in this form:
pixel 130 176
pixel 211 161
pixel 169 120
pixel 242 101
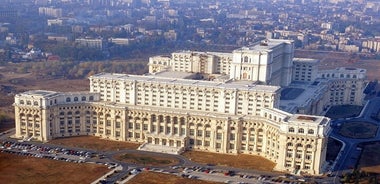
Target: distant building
pixel 97 43
pixel 170 35
pixel 372 45
pixel 50 12
pixel 121 41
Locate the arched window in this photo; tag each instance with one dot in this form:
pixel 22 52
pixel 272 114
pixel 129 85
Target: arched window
pixel 91 98
pixel 291 129
pixel 69 113
pixel 289 144
pixel 301 130
pixel 182 121
pixel 154 119
pixel 309 146
pixel 35 103
pixel 310 131
pixel 28 102
pixel 246 59
pixel 68 99
pixel 75 99
pixel 21 101
pixel 83 98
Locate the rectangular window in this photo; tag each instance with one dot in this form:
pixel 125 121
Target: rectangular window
pixel 218 136
pixel 232 146
pixel 145 126
pixel 208 134
pixel 232 136
pixel 199 142
pixel 191 132
pixel 218 145
pixel 199 133
pixel 207 143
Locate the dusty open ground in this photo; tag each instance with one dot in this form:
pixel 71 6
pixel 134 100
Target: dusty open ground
pixel 94 143
pixel 160 178
pixel 238 161
pixel 370 158
pixel 22 169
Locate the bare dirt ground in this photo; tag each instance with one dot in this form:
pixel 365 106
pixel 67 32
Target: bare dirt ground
pixel 238 161
pixel 94 143
pixel 147 177
pixel 22 169
pixel 370 158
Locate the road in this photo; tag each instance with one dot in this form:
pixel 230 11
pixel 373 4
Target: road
pixel 349 154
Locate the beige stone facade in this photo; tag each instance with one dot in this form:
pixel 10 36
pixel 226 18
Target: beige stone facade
pixel 305 69
pixel 226 123
pixel 234 116
pixel 268 62
pixel 346 85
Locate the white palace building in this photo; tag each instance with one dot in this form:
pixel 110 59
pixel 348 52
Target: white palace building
pixel 256 100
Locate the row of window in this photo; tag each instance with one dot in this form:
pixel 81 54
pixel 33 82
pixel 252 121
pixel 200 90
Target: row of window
pixel 301 130
pixel 340 76
pixel 76 99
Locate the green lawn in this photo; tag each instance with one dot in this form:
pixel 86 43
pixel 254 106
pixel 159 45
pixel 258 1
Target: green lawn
pixel 344 111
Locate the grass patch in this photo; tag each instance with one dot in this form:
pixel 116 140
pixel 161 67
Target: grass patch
pixel 333 149
pixel 239 161
pixel 344 111
pixel 358 130
pixel 148 160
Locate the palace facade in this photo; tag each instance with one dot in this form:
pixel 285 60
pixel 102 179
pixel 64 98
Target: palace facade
pixel 246 112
